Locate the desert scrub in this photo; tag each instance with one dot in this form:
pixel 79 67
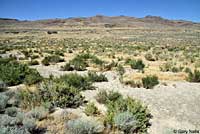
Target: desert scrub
pixel 32 77
pixel 14 73
pixel 91 109
pixel 81 61
pixel 3 101
pixel 11 111
pixel 84 126
pixel 77 81
pixel 3 86
pixel 136 64
pixel 45 62
pixel 33 62
pixel 105 97
pixel 194 76
pixel 57 94
pixel 67 67
pixel 126 122
pixel 120 70
pixel 139 119
pixel 150 81
pixel 52 59
pixel 38 113
pixel 170 67
pixel 14 125
pixel 94 77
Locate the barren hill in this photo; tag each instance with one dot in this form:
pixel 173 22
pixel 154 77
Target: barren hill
pixel 100 21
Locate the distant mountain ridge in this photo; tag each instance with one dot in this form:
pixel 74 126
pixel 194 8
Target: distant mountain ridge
pixel 100 20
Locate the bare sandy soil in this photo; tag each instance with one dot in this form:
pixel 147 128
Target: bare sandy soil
pixel 175 106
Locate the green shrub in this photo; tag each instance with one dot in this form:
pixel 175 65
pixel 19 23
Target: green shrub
pixel 77 81
pixel 91 109
pixel 150 81
pixel 60 94
pixel 102 96
pixel 29 123
pixel 105 97
pixel 67 67
pixel 34 56
pixel 84 126
pixel 113 96
pixel 120 70
pixel 187 70
pixel 137 64
pixel 3 101
pixel 38 113
pixel 175 69
pixel 45 62
pixel 80 62
pixel 52 59
pixel 33 62
pixel 166 67
pixel 3 86
pixel 59 53
pixel 194 76
pixel 32 77
pixel 94 77
pixel 126 122
pixel 29 99
pixel 14 73
pixel 139 112
pixel 13 130
pixel 11 111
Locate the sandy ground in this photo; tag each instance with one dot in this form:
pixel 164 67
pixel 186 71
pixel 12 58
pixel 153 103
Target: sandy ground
pixel 175 106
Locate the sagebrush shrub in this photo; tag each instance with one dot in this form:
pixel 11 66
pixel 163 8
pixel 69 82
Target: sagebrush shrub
pixel 3 86
pixel 81 61
pixel 53 59
pixel 84 126
pixel 150 81
pixel 11 111
pixel 6 120
pixel 137 64
pixel 32 77
pixel 29 123
pixel 67 67
pixel 120 70
pixel 3 101
pixel 33 62
pixel 91 109
pixel 77 81
pixel 105 97
pixel 126 122
pixel 38 113
pixel 14 73
pixel 102 96
pixel 94 77
pixel 138 111
pixel 194 76
pixel 45 62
